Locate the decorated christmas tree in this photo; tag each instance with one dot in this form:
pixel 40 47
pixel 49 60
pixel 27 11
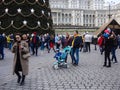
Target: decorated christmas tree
pixel 25 16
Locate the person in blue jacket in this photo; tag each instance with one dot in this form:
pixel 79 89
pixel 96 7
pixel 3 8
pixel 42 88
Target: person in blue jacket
pixel 2 46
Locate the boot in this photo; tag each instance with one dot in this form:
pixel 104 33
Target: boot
pixel 19 78
pixel 104 65
pixel 23 80
pixel 109 65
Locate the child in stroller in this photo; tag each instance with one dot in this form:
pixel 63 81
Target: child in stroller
pixel 60 58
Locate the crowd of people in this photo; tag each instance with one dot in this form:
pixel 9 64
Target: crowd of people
pixel 24 45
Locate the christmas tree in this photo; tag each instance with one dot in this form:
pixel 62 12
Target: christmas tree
pixel 25 16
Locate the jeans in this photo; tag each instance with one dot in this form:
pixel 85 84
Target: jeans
pixel 87 45
pixel 107 58
pixel 42 46
pixel 57 46
pixel 35 49
pixel 119 44
pixel 113 51
pixel 2 52
pixel 10 45
pixel 75 59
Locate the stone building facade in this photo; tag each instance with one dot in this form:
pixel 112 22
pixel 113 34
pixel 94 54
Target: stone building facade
pixel 87 13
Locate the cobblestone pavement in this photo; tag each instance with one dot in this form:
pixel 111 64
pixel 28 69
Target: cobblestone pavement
pixel 89 75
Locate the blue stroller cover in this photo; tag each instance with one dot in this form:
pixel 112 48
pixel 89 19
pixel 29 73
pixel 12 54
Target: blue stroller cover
pixel 60 56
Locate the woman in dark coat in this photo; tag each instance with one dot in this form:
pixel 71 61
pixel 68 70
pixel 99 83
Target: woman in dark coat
pixel 20 64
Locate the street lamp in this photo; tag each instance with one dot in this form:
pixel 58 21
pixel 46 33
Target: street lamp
pixel 110 4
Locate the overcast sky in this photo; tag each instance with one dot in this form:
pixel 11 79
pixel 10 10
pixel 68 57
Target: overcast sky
pixel 116 1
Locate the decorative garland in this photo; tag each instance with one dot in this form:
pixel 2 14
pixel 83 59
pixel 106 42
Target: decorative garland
pixel 8 2
pixel 5 28
pixel 32 13
pixel 17 27
pixel 31 3
pixel 3 15
pixel 48 17
pixel 32 28
pixel 11 14
pixel 42 5
pixel 20 2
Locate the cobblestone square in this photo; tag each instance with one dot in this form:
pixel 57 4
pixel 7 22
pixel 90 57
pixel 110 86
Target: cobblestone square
pixel 89 75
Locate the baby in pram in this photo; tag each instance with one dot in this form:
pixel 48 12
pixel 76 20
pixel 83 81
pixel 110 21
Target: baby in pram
pixel 61 57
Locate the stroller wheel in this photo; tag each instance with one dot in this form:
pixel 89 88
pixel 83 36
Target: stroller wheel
pixel 67 66
pixel 55 67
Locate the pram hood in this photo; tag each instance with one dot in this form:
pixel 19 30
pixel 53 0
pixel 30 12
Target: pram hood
pixel 62 54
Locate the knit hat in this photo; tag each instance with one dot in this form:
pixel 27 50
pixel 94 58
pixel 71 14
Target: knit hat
pixel 107 31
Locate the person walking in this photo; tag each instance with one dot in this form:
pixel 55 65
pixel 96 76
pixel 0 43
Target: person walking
pixel 76 43
pixel 118 37
pixel 47 41
pixel 42 39
pixel 88 40
pixel 114 47
pixel 66 43
pixel 57 41
pixel 35 44
pixel 20 64
pixel 52 43
pixel 108 43
pixel 69 43
pixel 1 47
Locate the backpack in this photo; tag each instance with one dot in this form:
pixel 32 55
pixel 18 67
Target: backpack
pixel 101 41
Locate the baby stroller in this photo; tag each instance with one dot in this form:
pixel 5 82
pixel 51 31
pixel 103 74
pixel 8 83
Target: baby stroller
pixel 60 58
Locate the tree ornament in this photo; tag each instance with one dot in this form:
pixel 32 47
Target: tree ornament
pixel 42 12
pixel 6 10
pixel 49 13
pixel 12 22
pixel 38 23
pixel 25 22
pixel 32 10
pixel 48 24
pixel 19 10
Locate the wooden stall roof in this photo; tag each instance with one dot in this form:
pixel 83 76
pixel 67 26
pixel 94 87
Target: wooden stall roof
pixel 113 24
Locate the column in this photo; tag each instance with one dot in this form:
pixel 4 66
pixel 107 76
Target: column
pixel 61 18
pixel 92 20
pixel 57 18
pixel 88 20
pixel 64 18
pixel 70 18
pixel 73 17
pixel 85 20
pixel 96 19
pixel 82 18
